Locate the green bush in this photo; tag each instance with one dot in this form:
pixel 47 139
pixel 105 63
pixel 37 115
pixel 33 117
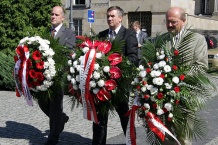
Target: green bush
pixel 18 19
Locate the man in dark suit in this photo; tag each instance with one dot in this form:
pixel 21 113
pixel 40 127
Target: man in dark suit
pixel 54 108
pixel 141 37
pixel 114 20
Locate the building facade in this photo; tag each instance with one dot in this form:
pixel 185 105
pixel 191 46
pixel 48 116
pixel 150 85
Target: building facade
pixel 202 15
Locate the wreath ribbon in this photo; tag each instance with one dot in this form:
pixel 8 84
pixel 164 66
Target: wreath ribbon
pixel 87 66
pixel 23 87
pixel 153 122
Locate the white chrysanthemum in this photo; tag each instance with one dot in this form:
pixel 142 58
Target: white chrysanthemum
pixel 81 58
pixel 73 81
pixel 46 64
pixel 136 80
pixel 92 84
pixel 160 57
pixel 162 52
pixel 167 68
pixel 143 89
pixel 77 78
pixel 162 63
pixel 78 68
pixel 73 56
pixel 157 73
pixel 51 61
pixel 157 53
pixel 146 105
pixel 98 55
pixel 47 84
pixel 96 66
pixel 168 106
pixel 153 90
pixel 95 91
pixel 46 41
pixel 141 67
pixel 142 73
pixel 75 63
pixel 160 112
pixel 175 80
pixel 69 77
pixel 85 49
pixel 168 86
pixel 156 66
pixel 100 83
pixel 149 87
pixel 106 69
pixel 69 62
pixel 153 73
pixel 22 41
pixel 170 115
pixel 96 75
pixel 158 81
pixel 72 70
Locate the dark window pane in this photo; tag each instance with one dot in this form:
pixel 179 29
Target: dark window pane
pixel 80 2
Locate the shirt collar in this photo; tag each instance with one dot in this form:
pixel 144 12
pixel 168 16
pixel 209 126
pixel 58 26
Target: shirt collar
pixel 58 27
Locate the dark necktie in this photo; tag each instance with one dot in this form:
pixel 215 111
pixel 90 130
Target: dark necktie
pixel 53 33
pixel 112 35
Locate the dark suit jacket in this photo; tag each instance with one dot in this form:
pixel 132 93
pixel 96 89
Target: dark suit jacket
pixel 130 49
pixel 66 36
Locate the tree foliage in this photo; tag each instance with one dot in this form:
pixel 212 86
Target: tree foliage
pixel 18 19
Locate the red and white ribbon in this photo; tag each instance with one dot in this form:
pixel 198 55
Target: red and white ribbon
pixel 23 87
pixel 87 66
pixel 158 128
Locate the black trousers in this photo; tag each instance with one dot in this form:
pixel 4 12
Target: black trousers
pixel 53 108
pixel 100 130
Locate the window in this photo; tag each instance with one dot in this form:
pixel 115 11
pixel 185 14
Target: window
pixel 78 26
pixel 79 2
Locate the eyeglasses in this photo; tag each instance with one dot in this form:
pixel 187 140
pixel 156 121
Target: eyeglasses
pixel 171 22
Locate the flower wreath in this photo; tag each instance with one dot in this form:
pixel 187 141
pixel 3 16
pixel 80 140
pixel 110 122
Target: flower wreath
pixel 165 93
pixel 35 67
pixel 96 68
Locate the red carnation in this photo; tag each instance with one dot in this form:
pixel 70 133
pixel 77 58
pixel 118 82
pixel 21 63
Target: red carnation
pixel 177 102
pixel 148 70
pixel 138 87
pixel 36 55
pixel 154 105
pixel 146 96
pixel 175 67
pixel 40 65
pixel 144 82
pixel 103 95
pixel 36 83
pixel 110 84
pixel 115 58
pixel 169 119
pixel 176 52
pixel 165 110
pixel 182 77
pixel 40 76
pixel 33 74
pixel 115 72
pixel 160 95
pixel 162 76
pixel 177 89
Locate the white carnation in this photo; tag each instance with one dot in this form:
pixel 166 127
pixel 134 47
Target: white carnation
pixel 92 84
pixel 162 63
pixel 141 67
pixel 72 70
pixel 69 62
pixel 142 73
pixel 156 66
pixel 68 77
pixel 98 55
pixel 101 83
pixel 160 112
pixel 175 80
pixel 96 66
pixel 170 115
pixel 106 69
pixel 143 89
pixel 73 56
pixel 168 106
pixel 161 56
pixel 96 75
pixel 146 105
pixel 77 78
pixel 168 86
pixel 167 68
pixel 95 91
pixel 73 81
pixel 85 49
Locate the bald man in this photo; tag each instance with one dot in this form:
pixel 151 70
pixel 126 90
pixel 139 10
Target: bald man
pixel 54 108
pixel 175 23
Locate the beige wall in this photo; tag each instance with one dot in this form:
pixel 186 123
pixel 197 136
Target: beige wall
pixel 156 7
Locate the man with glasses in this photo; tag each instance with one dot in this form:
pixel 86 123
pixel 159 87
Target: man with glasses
pixel 175 23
